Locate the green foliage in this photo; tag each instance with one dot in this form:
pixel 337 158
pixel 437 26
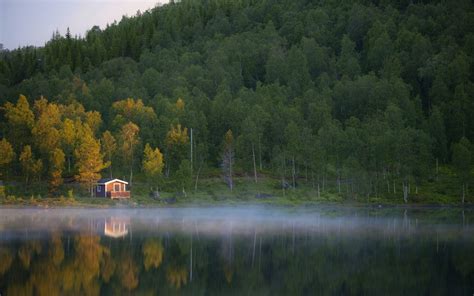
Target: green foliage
pixel 183 177
pixel 344 96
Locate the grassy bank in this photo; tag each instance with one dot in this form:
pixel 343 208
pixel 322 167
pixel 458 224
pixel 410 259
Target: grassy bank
pixel 213 191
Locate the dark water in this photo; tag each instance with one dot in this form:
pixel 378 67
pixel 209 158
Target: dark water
pixel 237 251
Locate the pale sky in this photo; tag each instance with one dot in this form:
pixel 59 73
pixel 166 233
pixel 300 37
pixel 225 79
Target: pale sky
pixel 32 22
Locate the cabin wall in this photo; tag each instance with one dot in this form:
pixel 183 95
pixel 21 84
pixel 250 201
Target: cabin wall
pixel 111 186
pixel 100 191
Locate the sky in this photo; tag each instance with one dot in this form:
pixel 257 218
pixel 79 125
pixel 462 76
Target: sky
pixel 32 22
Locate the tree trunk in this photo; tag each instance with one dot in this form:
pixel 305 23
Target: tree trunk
pixel 283 185
pixel 376 188
pixel 324 181
pixel 110 166
pixel 191 146
pixel 260 153
pixel 405 192
pixel 197 177
pixel 437 169
pixel 352 186
pixel 254 163
pixel 294 173
pixel 131 165
pixel 463 192
pixel 339 184
pixel 230 175
pixel 319 194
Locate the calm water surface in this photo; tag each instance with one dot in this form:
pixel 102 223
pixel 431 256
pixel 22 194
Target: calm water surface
pixel 237 251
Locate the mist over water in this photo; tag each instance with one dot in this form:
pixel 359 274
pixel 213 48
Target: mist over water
pixel 249 250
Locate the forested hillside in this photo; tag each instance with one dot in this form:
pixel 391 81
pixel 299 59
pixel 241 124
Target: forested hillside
pixel 370 96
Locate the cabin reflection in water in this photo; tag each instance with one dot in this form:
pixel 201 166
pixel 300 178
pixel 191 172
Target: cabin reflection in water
pixel 116 227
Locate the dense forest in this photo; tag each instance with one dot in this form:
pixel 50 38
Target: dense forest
pixel 358 97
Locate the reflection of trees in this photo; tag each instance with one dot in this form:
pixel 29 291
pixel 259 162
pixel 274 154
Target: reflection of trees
pixel 323 264
pixel 6 258
pixel 177 276
pixel 26 251
pixel 128 272
pixel 56 252
pixel 228 272
pixel 178 256
pixel 107 267
pixel 82 273
pixel 152 253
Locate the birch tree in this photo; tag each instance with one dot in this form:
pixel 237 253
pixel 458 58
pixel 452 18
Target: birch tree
pixel 152 163
pixel 30 166
pixel 129 134
pixel 89 159
pixel 228 159
pixel 462 158
pixel 56 166
pixel 7 155
pixel 109 146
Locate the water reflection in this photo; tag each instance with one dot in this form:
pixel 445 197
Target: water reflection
pixel 255 251
pixel 116 227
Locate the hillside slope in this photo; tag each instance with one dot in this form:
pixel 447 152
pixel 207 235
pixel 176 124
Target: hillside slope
pixel 364 93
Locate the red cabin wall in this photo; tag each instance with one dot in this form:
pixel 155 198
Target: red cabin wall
pixel 110 186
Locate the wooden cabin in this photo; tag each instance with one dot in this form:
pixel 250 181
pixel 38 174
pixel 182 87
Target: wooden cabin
pixel 112 188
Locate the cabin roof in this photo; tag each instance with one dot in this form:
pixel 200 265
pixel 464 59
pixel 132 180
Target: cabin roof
pixel 105 181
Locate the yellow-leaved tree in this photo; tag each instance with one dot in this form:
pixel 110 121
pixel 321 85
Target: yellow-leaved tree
pixel 109 145
pixel 6 154
pixel 30 166
pixel 129 134
pixel 132 110
pixel 89 159
pixel 20 120
pixel 56 166
pixel 46 130
pixel 176 145
pixel 152 163
pixel 68 137
pixel 93 120
pixel 179 105
pixel 177 135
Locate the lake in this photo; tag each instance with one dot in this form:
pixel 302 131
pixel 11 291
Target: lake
pixel 237 251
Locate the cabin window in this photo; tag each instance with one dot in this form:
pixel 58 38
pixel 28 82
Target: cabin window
pixel 117 187
pixel 99 189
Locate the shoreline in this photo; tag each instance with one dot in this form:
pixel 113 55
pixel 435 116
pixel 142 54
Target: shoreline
pixel 58 203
